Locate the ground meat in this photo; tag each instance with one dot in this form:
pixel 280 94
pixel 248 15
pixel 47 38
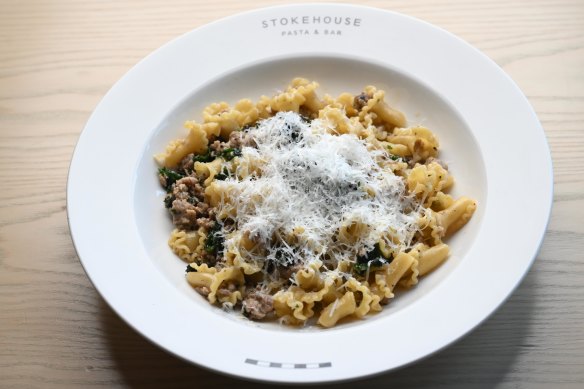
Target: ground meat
pixel 188 205
pixel 207 222
pixel 188 187
pixel 257 305
pixel 225 291
pixel 187 164
pixel 307 114
pixel 184 215
pixel 239 139
pixel 203 290
pixel 288 271
pixel 361 100
pixel 218 146
pixel 202 209
pixel 213 259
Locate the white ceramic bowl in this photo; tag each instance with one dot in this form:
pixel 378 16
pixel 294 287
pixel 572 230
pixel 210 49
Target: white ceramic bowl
pixel 490 138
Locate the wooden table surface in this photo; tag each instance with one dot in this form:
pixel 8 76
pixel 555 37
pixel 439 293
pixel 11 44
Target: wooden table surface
pixel 57 60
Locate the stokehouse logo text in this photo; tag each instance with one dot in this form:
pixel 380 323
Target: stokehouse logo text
pixel 327 25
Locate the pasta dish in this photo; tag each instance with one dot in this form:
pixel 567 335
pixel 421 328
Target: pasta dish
pixel 308 208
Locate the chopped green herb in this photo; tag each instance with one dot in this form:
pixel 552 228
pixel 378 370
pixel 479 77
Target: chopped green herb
pixel 191 269
pixel 207 157
pixel 391 156
pixel 168 200
pixel 374 259
pixel 170 175
pixel 223 175
pixel 214 241
pixel 360 268
pixel 230 153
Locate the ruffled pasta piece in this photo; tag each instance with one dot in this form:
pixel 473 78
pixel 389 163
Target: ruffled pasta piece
pixel 225 193
pixel 410 277
pixel 188 245
pixel 249 164
pixel 264 107
pixel 340 308
pixel 352 230
pixel 230 119
pixel 345 101
pixel 213 194
pixel 457 215
pixel 397 149
pixel 421 142
pixel 432 257
pixel 208 170
pixel 440 201
pixel 195 142
pixel 367 302
pixel 385 248
pixel 387 278
pixel 292 305
pixel 340 124
pixel 238 253
pixel 376 111
pixel 437 225
pixel 335 119
pixel 246 266
pixel 202 277
pixel 344 266
pixel 425 181
pixel 248 112
pixel 300 94
pixel 297 304
pixel 309 278
pixel 431 229
pixel 213 280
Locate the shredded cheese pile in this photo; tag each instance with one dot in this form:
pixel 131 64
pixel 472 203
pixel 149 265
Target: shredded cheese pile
pixel 312 186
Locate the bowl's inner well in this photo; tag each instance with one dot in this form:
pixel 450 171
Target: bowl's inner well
pixel 458 148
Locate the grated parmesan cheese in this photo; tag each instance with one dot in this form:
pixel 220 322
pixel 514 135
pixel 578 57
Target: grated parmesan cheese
pixel 312 185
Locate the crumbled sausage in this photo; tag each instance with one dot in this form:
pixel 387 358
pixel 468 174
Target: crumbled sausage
pixel 286 272
pixel 184 215
pixel 257 305
pixel 361 100
pixel 188 187
pixel 187 164
pixel 188 205
pixel 239 139
pixel 206 222
pixel 218 146
pixel 203 290
pixel 225 291
pixel 235 139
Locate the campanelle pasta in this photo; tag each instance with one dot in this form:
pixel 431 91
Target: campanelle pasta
pixel 308 209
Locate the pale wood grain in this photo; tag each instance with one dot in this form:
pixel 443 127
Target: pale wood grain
pixel 58 59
